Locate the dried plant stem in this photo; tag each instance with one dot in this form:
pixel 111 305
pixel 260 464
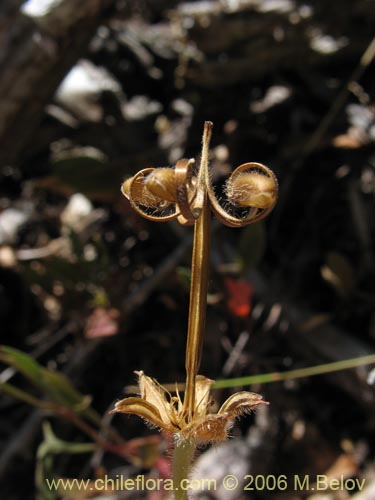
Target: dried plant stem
pixel 184 450
pixel 182 457
pixel 198 300
pixel 199 281
pixel 71 416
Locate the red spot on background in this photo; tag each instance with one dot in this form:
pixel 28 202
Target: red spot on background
pixel 240 294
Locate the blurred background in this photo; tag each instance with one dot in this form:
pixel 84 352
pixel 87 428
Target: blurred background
pixel 90 93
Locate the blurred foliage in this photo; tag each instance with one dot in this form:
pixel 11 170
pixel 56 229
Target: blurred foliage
pixel 53 385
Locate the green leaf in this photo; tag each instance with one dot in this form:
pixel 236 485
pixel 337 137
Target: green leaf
pixel 21 362
pixel 88 175
pixel 16 393
pixel 54 385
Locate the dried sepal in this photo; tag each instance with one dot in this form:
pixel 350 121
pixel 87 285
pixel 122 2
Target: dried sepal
pixel 241 403
pixel 143 409
pixel 155 394
pixel 202 395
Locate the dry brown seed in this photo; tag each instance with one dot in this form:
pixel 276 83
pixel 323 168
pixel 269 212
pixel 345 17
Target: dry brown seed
pixel 161 183
pixel 252 190
pixel 136 190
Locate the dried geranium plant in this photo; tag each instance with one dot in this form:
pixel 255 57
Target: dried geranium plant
pixel 162 194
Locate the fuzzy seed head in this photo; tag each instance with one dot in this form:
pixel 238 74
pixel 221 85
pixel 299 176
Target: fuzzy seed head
pixel 252 189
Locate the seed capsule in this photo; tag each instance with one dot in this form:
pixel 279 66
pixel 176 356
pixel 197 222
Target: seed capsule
pixel 251 189
pixel 161 183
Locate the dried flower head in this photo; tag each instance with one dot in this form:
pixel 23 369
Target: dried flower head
pixel 159 408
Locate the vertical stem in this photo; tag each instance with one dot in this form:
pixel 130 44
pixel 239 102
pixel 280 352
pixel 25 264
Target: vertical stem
pixel 182 457
pixel 199 281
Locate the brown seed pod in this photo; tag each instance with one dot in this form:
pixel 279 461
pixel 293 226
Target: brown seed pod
pixel 161 183
pixel 137 192
pixel 252 192
pixel 145 202
pixel 252 189
pixel 137 188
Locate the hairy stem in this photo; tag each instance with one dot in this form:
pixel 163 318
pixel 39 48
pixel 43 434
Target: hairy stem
pixel 182 457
